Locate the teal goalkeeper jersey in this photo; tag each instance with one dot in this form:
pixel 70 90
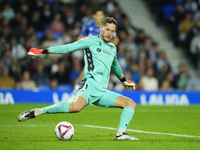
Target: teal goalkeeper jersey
pixel 100 58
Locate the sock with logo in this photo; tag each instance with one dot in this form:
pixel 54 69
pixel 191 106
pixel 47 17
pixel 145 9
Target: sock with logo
pixel 125 118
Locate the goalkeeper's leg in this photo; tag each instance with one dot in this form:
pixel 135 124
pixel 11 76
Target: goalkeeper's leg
pixel 63 107
pixel 128 106
pixel 112 99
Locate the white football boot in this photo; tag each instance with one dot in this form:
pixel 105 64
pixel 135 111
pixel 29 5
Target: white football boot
pixel 26 115
pixel 125 136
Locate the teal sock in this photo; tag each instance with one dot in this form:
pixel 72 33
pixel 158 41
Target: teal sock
pixel 126 116
pixel 62 107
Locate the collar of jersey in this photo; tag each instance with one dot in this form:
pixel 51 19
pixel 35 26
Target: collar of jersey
pixel 110 44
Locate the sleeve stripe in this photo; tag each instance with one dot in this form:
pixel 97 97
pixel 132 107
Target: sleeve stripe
pixel 89 60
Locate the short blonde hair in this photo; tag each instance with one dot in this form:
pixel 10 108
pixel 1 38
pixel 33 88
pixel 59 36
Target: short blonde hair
pixel 109 20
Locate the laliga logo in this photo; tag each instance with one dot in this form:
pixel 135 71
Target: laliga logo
pixel 66 97
pixel 168 99
pixel 6 98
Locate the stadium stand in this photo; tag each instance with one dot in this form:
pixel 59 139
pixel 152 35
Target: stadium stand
pixel 182 20
pixel 33 24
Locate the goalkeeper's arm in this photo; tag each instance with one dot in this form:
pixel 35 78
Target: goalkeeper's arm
pixel 63 49
pixel 118 72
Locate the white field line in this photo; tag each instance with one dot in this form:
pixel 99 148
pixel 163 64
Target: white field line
pixel 110 128
pixel 28 125
pixel 148 132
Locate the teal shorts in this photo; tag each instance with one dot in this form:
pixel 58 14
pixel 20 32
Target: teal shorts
pixel 95 94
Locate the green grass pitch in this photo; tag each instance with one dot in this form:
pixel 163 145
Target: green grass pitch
pixel 38 133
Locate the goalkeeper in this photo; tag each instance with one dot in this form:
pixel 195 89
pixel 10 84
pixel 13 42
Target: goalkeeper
pixel 91 28
pixel 100 58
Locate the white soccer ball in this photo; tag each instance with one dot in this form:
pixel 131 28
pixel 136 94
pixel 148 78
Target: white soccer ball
pixel 64 130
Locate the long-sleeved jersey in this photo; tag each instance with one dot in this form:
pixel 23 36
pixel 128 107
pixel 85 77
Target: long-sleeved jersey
pixel 100 58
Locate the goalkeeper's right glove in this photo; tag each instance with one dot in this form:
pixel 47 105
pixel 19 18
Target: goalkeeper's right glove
pixel 37 52
pixel 127 83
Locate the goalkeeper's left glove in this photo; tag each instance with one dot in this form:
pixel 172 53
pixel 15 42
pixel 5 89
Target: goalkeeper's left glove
pixel 127 83
pixel 37 52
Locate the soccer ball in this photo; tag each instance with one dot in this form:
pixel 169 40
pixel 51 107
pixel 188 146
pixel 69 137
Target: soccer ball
pixel 64 130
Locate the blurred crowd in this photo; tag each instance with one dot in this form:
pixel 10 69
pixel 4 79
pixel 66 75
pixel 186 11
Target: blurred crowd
pixel 183 20
pixel 45 23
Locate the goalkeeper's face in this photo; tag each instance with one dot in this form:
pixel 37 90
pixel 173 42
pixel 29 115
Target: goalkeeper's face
pixel 107 32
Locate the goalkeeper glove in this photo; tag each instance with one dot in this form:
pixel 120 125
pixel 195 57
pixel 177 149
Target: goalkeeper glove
pixel 127 83
pixel 37 52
